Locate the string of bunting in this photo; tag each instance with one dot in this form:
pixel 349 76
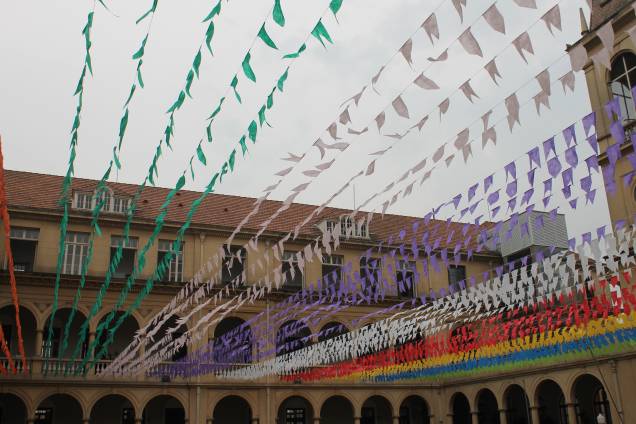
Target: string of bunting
pixel 340 191
pixel 6 223
pixel 429 247
pixel 318 32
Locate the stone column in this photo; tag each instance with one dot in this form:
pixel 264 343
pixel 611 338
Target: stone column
pixel 39 338
pixel 571 413
pixel 317 420
pixel 86 421
pixel 534 411
pixel 474 417
pixel 502 416
pixel 137 420
pixel 356 420
pixel 396 420
pixel 256 420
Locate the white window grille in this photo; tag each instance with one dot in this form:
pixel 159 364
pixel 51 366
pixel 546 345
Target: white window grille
pixel 174 273
pixel 75 252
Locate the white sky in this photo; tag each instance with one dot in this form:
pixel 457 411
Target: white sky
pixel 42 49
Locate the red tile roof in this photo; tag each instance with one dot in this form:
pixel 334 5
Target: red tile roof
pixel 33 191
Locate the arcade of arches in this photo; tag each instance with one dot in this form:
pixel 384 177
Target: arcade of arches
pixel 560 395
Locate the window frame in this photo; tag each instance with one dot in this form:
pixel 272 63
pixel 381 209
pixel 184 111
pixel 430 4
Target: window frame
pixel 290 259
pixel 377 268
pixel 177 261
pixel 627 105
pixel 86 201
pixel 70 269
pixel 452 266
pixel 131 244
pixel 404 267
pixel 227 259
pixel 327 260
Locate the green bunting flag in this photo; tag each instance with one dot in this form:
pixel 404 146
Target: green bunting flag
pixel 208 36
pixel 130 96
pixel 116 159
pixel 277 14
pixel 123 123
pixel 139 78
pixel 151 10
pixel 208 131
pixel 247 68
pixel 218 108
pixel 243 146
pixel 252 130
pixel 263 35
pixel 216 10
pixel 197 63
pixel 233 84
pixel 320 32
pixel 295 55
pixel 335 6
pixel 139 53
pixel 282 79
pixel 177 103
pixel 189 80
pixel 201 155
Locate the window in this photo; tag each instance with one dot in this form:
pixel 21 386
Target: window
pixel 405 277
pixel 332 268
pixel 44 416
pixel 128 416
pixel 174 273
pixel 456 273
pixel 86 200
pixel 292 275
pixel 233 265
pixel 75 252
pixel 295 416
pixel 622 80
pixel 83 200
pixel 349 228
pixel 127 261
pixel 371 272
pixel 24 242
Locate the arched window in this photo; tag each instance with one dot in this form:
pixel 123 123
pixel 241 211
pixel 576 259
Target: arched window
pixel 622 80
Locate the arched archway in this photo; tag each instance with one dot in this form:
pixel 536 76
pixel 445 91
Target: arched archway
pixel 590 400
pixel 124 336
pixel 232 410
pixel 9 327
pixel 487 408
pixel 54 349
pixel 59 409
pixel 295 410
pixel 236 346
pixel 414 410
pixel 164 409
pixel 12 409
pixel 376 410
pixel 337 410
pixel 551 402
pixel 517 405
pixel 460 409
pixel 179 330
pixel 330 330
pixel 113 409
pixel 292 336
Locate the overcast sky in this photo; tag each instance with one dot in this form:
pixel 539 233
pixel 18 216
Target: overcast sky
pixel 43 47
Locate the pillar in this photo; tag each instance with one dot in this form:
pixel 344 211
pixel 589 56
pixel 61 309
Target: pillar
pixel 356 420
pixel 502 416
pixel 39 337
pixel 571 413
pixel 534 411
pixel 474 417
pixel 138 421
pixel 396 420
pixel 86 421
pixel 317 420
